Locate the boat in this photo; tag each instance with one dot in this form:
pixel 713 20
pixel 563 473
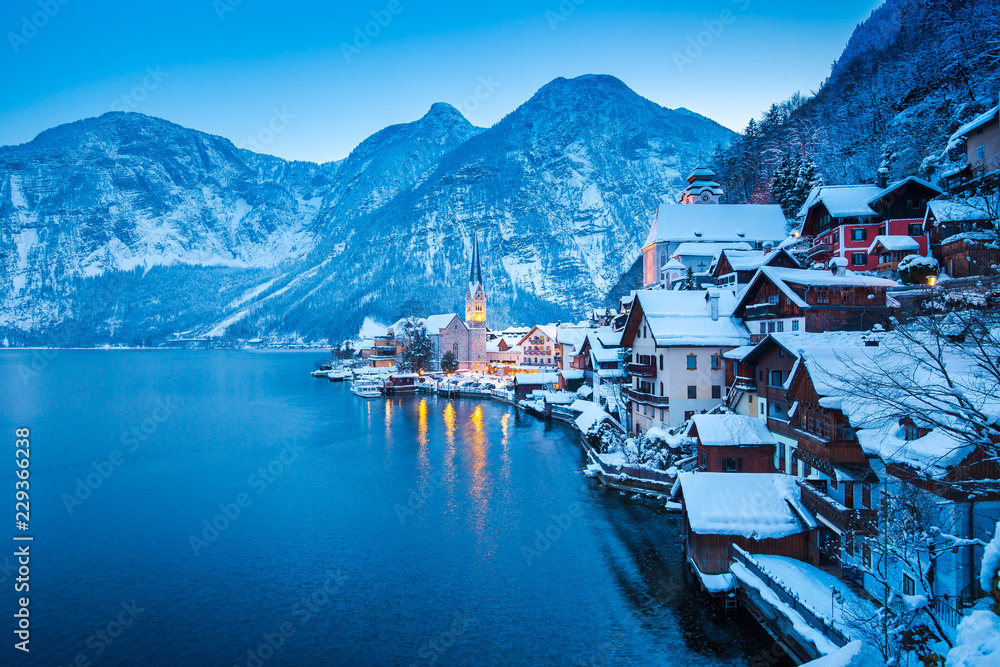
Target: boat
pixel 339 374
pixel 320 374
pixel 366 388
pixel 402 384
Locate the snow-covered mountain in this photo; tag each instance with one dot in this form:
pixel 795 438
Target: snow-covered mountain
pixel 127 228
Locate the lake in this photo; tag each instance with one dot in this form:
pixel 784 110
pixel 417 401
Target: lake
pixel 225 508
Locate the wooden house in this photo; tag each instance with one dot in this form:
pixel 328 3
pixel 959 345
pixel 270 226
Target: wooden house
pixel 733 443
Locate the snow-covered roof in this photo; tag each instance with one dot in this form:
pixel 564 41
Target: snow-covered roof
pixel 949 210
pixel 894 243
pixel 898 184
pixel 709 249
pixel 536 378
pixel 550 330
pixel 731 430
pixel 435 323
pixel 737 353
pixel 717 222
pixel 843 201
pixel 746 260
pixel 591 415
pixel 758 506
pixel 834 374
pixel 975 123
pixel 783 278
pixel 679 318
pixel 573 335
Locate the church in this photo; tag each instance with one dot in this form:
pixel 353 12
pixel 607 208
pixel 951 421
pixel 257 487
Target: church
pixel 466 339
pixel 695 230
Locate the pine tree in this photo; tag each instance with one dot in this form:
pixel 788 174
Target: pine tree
pixel 689 282
pixel 418 350
pixel 449 362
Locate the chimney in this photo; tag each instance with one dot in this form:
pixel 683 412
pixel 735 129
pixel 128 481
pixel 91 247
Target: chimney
pixel 838 266
pixel 768 247
pixel 713 299
pixel 883 178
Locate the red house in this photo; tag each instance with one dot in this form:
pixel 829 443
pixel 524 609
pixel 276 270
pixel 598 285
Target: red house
pixel 844 220
pixel 733 443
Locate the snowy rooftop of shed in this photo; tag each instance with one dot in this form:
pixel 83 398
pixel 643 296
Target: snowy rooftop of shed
pixel 945 210
pixel 731 430
pixel 975 123
pixel 759 506
pixel 782 277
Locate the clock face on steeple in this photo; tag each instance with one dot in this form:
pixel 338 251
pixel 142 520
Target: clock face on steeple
pixel 706 197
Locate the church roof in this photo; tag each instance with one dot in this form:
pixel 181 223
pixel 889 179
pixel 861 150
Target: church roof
pixel 678 223
pixel 476 270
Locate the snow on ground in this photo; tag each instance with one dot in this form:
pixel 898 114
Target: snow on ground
pixel 977 643
pixel 371 329
pixel 855 654
pixel 714 583
pixel 590 415
pixel 813 587
pixel 823 645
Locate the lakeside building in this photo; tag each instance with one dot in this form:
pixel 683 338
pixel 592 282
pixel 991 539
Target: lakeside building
pixel 677 341
pixel 732 443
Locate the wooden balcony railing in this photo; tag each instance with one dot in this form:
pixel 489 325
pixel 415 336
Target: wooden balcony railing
pixel 648 399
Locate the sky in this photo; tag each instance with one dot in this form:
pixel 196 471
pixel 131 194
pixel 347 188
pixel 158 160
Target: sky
pixel 310 80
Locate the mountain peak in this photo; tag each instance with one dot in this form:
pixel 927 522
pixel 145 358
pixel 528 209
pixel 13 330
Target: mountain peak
pixel 443 110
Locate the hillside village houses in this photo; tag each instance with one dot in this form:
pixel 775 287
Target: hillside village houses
pixel 766 370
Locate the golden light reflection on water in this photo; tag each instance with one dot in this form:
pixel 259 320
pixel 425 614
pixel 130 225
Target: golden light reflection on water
pixel 478 483
pixel 423 461
pixel 388 427
pixel 449 448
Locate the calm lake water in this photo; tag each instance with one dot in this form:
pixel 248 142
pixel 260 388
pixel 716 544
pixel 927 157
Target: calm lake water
pixel 225 508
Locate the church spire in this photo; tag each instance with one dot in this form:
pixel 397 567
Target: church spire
pixel 476 271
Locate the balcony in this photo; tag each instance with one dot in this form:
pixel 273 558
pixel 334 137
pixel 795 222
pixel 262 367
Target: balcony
pixel 641 370
pixel 847 520
pixel 819 249
pixel 647 399
pixel 833 451
pixel 759 310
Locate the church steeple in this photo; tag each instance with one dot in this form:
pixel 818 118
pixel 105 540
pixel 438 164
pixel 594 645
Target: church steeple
pixel 475 293
pixel 476 271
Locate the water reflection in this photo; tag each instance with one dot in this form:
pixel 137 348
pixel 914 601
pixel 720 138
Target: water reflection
pixel 448 479
pixel 476 438
pixel 423 460
pixel 505 443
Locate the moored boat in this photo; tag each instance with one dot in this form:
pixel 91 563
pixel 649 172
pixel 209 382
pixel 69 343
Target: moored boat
pixel 366 388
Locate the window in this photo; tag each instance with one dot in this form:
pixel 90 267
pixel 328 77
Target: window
pixel 911 204
pixel 763 327
pixel 859 258
pixel 662 414
pixel 454 348
pixel 692 362
pixel 692 391
pixel 775 379
pixel 866 496
pixel 795 325
pixel 849 543
pixel 881 230
pixel 734 465
pixel 836 237
pixel 661 389
pixel 833 481
pixel 780 327
pixel 661 362
pixel 717 391
pixel 981 153
pixel 909 585
pixel 773 299
pixel 716 362
pixel 770 327
pixel 822 295
pixel 859 234
pixel 916 229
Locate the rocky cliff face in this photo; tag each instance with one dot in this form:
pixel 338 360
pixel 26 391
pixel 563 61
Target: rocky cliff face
pixel 132 228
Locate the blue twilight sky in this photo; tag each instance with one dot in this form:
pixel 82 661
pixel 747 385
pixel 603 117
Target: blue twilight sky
pixel 227 66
